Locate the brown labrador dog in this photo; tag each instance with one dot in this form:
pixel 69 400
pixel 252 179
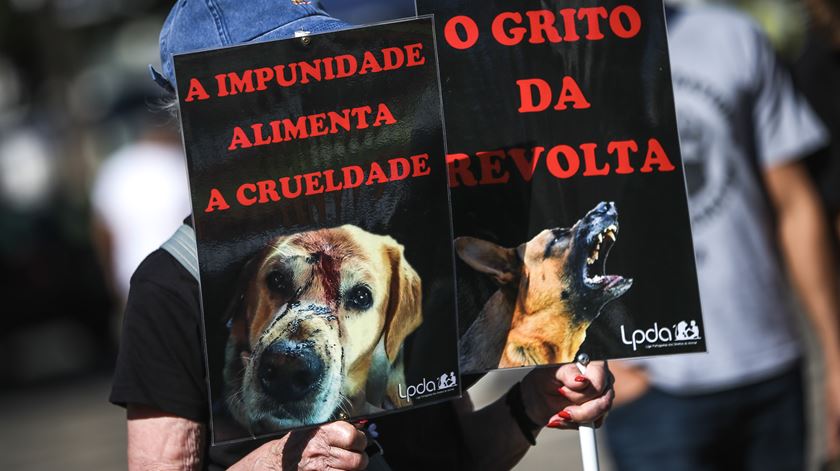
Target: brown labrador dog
pixel 551 288
pixel 317 328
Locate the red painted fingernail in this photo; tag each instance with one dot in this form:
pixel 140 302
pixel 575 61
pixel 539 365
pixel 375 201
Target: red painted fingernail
pixel 555 422
pixel 562 393
pixel 581 379
pixel 565 415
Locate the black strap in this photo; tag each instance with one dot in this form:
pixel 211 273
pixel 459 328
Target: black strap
pixel 517 411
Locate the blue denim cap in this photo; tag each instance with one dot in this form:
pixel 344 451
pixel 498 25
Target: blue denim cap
pixel 194 25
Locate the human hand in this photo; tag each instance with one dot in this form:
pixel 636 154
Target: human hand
pixel 332 447
pixel 564 398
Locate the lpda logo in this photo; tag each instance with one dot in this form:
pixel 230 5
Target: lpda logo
pixel 446 381
pixel 681 331
pixel 424 387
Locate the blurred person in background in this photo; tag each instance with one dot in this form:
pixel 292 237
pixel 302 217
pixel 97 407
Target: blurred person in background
pixel 161 378
pixel 744 132
pixel 817 72
pixel 139 197
pixel 52 135
pixel 55 306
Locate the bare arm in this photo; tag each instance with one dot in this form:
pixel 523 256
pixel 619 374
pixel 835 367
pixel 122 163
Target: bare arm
pixel 162 442
pixel 806 249
pixel 493 436
pixel 158 441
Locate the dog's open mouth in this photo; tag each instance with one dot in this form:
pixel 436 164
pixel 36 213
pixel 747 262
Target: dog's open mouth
pixel 601 228
pixel 596 261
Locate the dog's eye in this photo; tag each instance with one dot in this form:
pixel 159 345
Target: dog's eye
pixel 560 233
pixel 359 298
pixel 279 282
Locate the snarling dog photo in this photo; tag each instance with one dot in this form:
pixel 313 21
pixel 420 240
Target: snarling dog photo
pixel 317 327
pixel 551 288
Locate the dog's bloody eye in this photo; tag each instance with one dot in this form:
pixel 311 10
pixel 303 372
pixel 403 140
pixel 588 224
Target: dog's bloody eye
pixel 279 282
pixel 359 298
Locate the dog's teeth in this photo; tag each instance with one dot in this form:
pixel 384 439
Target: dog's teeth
pixel 613 228
pixel 595 256
pixel 600 238
pixel 589 261
pixel 611 235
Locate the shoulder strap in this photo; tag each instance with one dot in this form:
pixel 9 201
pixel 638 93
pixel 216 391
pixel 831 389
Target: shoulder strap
pixel 182 246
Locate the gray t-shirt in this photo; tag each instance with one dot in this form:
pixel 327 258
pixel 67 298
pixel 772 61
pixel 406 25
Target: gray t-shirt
pixel 738 114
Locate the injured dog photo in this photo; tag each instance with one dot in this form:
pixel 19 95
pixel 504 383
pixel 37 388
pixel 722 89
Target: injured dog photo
pixel 550 289
pixel 316 329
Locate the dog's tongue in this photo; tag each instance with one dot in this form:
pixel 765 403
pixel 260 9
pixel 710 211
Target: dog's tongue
pixel 612 280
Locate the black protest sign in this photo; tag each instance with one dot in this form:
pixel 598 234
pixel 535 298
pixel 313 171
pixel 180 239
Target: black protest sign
pixel 563 149
pixel 319 190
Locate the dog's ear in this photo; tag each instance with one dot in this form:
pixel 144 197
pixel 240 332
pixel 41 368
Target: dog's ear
pixel 486 257
pixel 236 314
pixel 404 313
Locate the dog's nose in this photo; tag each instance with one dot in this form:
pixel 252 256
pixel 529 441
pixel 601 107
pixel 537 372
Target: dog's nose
pixel 289 370
pixel 604 207
pixel 602 210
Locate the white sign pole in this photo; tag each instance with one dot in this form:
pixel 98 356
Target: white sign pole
pixel 588 445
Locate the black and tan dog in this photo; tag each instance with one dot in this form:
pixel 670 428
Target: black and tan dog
pixel 551 288
pixel 317 328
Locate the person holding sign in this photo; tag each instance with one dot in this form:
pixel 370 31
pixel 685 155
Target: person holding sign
pixel 161 375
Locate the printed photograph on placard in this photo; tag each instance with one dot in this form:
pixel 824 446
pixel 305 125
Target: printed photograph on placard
pixel 569 205
pixel 319 188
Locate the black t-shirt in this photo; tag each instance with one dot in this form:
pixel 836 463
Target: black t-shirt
pixel 161 365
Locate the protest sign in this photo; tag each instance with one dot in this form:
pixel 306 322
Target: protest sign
pixel 320 204
pixel 562 150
